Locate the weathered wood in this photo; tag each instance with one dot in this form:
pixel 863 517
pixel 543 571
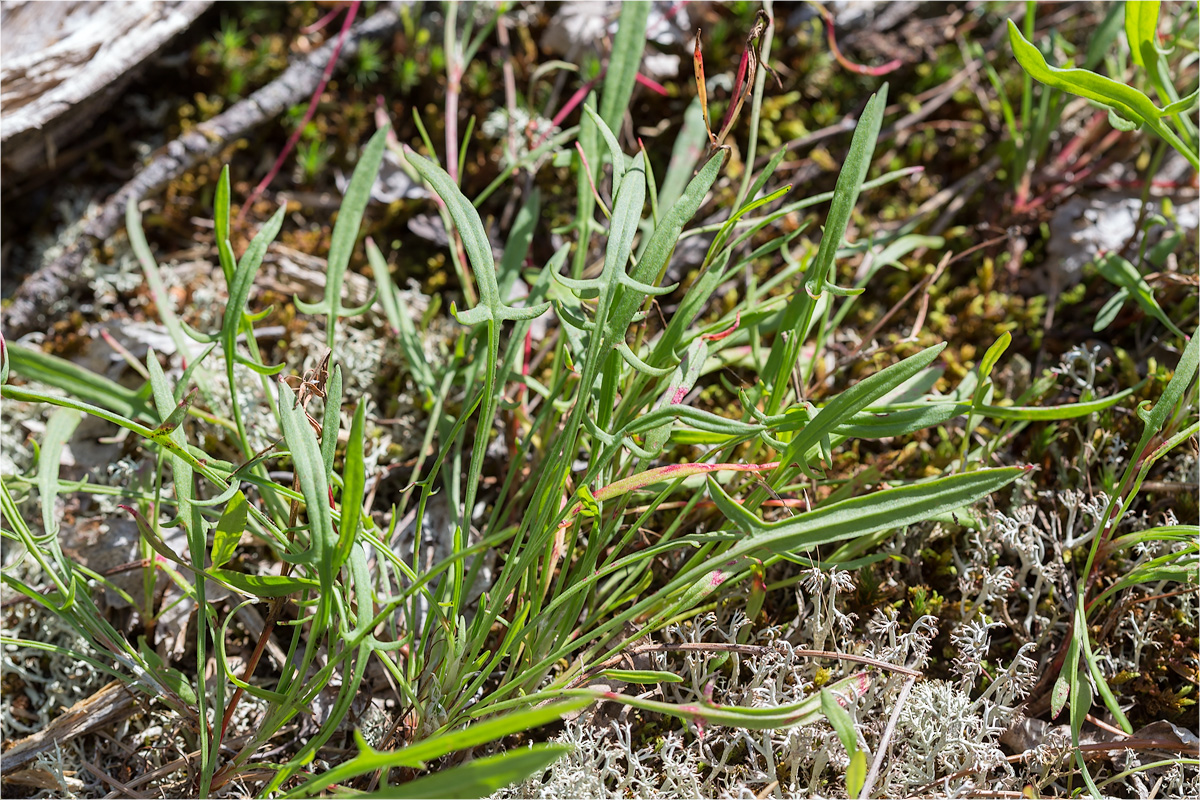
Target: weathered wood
pixel 297 83
pixel 108 705
pixel 65 63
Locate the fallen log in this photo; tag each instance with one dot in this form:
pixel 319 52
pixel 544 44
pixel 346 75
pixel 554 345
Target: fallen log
pixel 63 275
pixel 65 64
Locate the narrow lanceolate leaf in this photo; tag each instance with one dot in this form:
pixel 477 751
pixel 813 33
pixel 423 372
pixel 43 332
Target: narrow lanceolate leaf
pixel 850 181
pixel 417 755
pixel 83 384
pixel 235 308
pixel 1120 272
pixel 193 524
pixel 229 530
pixel 264 585
pixel 849 403
pixel 401 318
pixel 475 242
pixel 354 483
pixel 176 417
pixel 314 485
pixel 796 319
pixel 481 777
pixel 345 234
pixel 1156 417
pixel 840 719
pixel 623 65
pixel 859 516
pixel 59 428
pixel 1128 101
pixel 642 676
pixel 221 225
pixel 1141 28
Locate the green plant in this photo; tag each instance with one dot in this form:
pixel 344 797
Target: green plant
pixel 368 63
pixel 596 415
pixel 311 156
pixel 1128 108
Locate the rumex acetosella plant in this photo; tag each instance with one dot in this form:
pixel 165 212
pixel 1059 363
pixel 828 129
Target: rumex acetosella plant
pixel 581 546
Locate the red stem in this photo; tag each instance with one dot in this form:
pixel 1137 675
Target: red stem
pixel 308 115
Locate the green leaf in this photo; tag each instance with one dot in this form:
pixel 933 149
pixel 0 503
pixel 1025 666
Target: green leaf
pixel 175 418
pixel 59 428
pixel 475 242
pixel 849 403
pixel 1108 312
pixel 1122 124
pixel 623 64
pixel 1182 105
pixel 221 225
pixel 1185 373
pixel 76 381
pixel 1125 100
pixel 401 319
pixel 229 530
pixel 1125 275
pixel 849 184
pixel 482 777
pixel 417 755
pixel 314 485
pixel 1141 28
pixel 158 289
pixel 858 516
pixel 588 506
pixel 993 355
pixel 805 712
pixel 688 147
pixel 614 148
pixel 235 307
pixel 840 719
pixel 658 252
pixel 1062 690
pixel 856 773
pixel 264 585
pixel 331 419
pixel 796 318
pixel 345 230
pixel 354 486
pixel 172 678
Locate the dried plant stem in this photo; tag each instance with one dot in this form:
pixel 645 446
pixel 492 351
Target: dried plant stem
pixel 741 649
pixel 885 741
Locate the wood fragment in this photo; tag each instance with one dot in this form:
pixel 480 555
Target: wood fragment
pixel 65 64
pixel 63 276
pixel 111 703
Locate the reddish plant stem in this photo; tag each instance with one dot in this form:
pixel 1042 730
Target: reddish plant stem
pixel 308 114
pixel 569 106
pixel 860 69
pixel 651 84
pixel 322 22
